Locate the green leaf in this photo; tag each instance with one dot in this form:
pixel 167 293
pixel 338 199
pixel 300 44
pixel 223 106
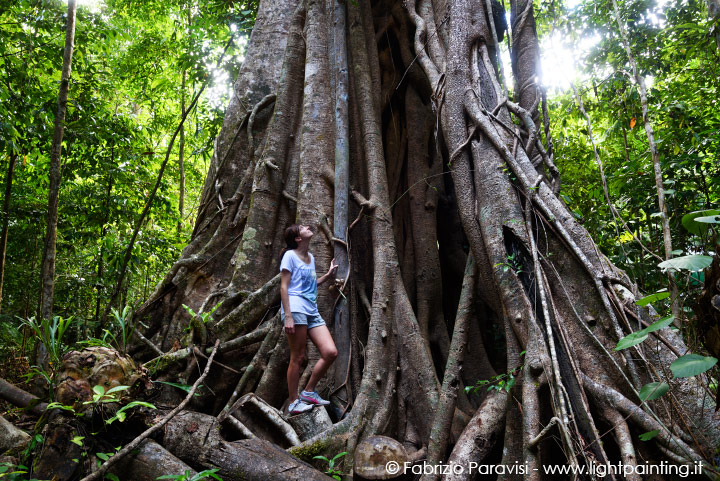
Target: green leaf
pixel 658 296
pixel 649 435
pixel 653 390
pixel 78 440
pixel 99 390
pixel 657 325
pixel 102 456
pixel 631 340
pixel 691 365
pixel 184 387
pixel 689 221
pixel 111 477
pixel 692 263
pixel 118 389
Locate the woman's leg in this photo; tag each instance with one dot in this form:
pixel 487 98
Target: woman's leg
pixel 320 336
pixel 297 343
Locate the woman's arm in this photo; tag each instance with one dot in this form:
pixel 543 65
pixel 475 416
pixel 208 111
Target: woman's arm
pixel 333 268
pixel 285 299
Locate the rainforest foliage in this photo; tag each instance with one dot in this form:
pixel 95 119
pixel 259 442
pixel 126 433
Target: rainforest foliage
pixel 148 91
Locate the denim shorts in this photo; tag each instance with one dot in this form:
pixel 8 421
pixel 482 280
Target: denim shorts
pixel 301 319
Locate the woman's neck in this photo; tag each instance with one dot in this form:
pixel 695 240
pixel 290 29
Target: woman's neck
pixel 302 248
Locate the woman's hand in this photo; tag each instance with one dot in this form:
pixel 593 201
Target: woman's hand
pixel 333 267
pixel 289 324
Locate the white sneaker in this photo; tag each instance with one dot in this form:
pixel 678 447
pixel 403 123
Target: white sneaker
pixel 313 398
pixel 298 406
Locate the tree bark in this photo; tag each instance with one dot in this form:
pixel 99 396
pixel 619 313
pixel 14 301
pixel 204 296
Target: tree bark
pixel 6 219
pixel 47 271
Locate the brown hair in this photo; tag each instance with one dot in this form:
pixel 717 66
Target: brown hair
pixel 289 236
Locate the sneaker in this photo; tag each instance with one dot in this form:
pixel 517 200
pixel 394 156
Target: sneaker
pixel 313 398
pixel 298 406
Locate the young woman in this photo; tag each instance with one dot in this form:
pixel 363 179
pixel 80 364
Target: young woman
pixel 299 312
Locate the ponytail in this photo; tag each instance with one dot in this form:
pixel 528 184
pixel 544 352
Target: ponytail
pixel 289 236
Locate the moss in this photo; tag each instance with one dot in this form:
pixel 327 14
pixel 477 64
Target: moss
pixel 307 453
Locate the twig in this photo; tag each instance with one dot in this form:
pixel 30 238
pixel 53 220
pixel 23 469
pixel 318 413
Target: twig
pixel 534 441
pixel 198 352
pixel 148 343
pixel 99 474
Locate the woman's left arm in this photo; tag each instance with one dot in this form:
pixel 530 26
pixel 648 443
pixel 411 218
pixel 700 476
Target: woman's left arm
pixel 333 268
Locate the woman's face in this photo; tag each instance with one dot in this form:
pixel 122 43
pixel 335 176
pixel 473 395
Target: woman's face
pixel 305 232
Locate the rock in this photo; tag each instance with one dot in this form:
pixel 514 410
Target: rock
pixel 373 455
pixel 98 366
pixel 12 438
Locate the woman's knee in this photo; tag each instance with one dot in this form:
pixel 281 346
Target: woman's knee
pixel 297 358
pixel 331 354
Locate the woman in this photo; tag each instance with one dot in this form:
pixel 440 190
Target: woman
pixel 298 310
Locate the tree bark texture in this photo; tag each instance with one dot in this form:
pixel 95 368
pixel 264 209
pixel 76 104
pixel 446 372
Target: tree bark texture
pixel 48 265
pixel 441 164
pixel 6 219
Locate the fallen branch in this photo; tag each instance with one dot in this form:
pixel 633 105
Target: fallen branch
pixel 100 473
pixel 16 396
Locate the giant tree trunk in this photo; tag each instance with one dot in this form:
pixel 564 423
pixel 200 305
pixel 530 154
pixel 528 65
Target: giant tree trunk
pixel 441 165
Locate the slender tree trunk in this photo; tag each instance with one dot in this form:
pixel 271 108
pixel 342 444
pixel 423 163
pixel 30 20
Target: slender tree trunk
pixel 181 160
pixel 101 263
pixel 181 145
pixel 665 219
pixel 6 218
pixel 50 250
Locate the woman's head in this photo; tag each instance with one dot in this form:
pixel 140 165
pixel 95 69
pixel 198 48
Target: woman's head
pixel 295 234
pixel 290 236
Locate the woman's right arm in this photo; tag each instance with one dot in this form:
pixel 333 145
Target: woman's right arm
pixel 285 299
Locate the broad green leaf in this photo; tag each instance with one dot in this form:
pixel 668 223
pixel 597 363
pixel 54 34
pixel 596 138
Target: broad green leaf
pixel 657 325
pixel 658 296
pixel 649 435
pixel 691 365
pixel 99 390
pixel 692 263
pixel 118 389
pixel 631 340
pixel 653 390
pixel 78 440
pixel 699 228
pixel 140 403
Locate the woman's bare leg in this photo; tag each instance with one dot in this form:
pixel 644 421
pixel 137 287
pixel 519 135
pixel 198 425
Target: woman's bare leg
pixel 320 336
pixel 297 343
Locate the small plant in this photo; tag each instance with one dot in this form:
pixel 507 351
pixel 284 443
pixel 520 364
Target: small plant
pixel 501 382
pixel 331 470
pixel 513 262
pixel 203 316
pixel 10 472
pixel 125 328
pixel 50 334
pixel 188 476
pixel 101 397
